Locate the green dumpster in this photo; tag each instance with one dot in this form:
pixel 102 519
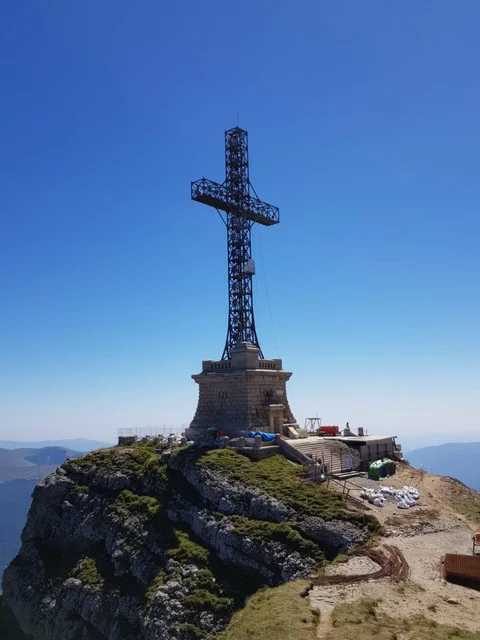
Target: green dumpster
pixel 381 469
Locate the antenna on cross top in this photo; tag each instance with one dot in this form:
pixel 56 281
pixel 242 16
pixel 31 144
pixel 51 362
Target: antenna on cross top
pixel 242 211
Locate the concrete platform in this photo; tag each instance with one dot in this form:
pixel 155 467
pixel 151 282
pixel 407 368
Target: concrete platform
pixel 262 452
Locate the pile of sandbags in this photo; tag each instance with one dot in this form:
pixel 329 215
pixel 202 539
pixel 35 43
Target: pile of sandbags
pixel 374 496
pixel 406 497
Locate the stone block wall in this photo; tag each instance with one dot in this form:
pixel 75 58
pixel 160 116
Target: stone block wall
pixel 245 396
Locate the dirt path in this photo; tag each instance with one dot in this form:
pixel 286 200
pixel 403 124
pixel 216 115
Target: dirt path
pixel 421 535
pixel 325 618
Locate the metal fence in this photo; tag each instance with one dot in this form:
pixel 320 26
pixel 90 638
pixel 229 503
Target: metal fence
pixel 161 430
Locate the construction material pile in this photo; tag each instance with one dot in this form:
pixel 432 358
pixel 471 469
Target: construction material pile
pixel 406 497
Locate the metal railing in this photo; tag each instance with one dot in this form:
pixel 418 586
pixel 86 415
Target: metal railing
pixel 161 430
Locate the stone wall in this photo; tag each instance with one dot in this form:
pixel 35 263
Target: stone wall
pixel 242 396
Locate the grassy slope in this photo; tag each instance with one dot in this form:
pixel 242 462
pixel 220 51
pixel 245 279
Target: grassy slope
pixel 280 612
pixel 269 612
pixel 361 621
pixel 131 461
pixel 277 477
pixel 280 479
pixel 463 500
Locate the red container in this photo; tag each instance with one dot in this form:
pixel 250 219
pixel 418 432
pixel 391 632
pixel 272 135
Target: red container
pixel 330 431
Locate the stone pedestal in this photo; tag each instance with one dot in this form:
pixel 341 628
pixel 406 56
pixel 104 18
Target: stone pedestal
pixel 242 394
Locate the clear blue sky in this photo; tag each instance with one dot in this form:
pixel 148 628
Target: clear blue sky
pixel 363 120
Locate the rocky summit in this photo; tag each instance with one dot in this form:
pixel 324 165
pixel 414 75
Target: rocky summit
pixel 132 542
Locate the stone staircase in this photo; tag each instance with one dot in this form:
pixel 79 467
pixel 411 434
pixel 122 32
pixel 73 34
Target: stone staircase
pixel 320 449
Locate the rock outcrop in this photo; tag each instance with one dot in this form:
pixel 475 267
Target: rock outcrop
pixel 128 543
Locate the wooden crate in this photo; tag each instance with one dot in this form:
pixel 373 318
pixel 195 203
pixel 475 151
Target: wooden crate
pixel 462 569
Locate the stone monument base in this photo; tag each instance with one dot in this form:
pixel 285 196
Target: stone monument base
pixel 245 393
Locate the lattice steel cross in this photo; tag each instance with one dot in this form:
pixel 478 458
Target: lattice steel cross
pixel 241 210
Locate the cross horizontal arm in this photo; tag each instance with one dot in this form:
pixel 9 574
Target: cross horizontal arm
pixel 219 196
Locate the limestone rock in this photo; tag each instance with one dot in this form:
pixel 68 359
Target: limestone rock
pixel 125 545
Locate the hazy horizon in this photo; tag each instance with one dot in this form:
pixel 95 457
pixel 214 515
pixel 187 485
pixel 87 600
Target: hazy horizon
pixel 408 444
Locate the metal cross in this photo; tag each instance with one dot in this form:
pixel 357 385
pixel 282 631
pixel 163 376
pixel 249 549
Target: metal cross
pixel 241 211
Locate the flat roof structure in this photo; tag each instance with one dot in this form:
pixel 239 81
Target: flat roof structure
pixel 362 439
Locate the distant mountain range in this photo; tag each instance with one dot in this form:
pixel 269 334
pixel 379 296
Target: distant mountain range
pixel 459 460
pixel 20 470
pixel 31 464
pixel 78 444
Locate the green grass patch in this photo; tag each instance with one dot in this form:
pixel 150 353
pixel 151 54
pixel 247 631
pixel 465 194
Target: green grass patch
pixel 186 550
pixel 157 583
pixel 340 558
pixel 360 621
pixel 207 593
pixel 143 507
pixel 262 531
pixel 88 572
pixel 133 461
pixel 464 500
pixel 80 489
pixel 280 612
pixel 188 630
pixel 280 479
pixel 470 508
pixel 203 600
pixel 205 579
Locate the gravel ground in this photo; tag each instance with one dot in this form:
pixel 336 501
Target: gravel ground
pixel 424 534
pixel 356 565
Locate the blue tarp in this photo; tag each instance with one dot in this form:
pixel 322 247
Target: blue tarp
pixel 266 437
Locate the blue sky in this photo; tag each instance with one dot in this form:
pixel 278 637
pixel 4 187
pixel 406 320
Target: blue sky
pixel 363 128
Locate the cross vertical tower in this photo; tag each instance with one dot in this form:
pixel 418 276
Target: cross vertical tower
pixel 243 391
pixel 240 211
